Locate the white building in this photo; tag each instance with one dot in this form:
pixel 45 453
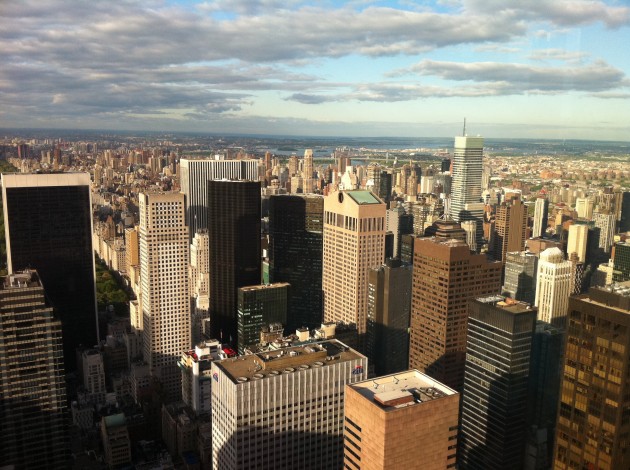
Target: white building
pixel 195 366
pixel 577 241
pixel 541 210
pixel 605 221
pixel 283 409
pixel 553 287
pixel 199 281
pixel 164 254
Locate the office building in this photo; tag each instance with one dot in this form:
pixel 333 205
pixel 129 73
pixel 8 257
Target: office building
pixel 445 276
pixel 624 216
pixel 93 371
pixel 307 173
pixel 195 174
pixel 584 207
pixel 234 250
pixel 510 225
pixel 605 222
pixel 400 421
pixel 116 442
pixel 541 214
pixel 593 425
pixel 164 254
pixel 259 306
pixel 577 241
pixel 544 393
pixel 494 402
pixel 199 284
pixel 389 310
pixel 48 227
pixel 283 409
pixel 553 287
pixel 399 223
pixel 32 384
pixel 466 186
pixel 520 276
pixel 621 262
pixel 296 225
pixel 354 242
pixel 195 365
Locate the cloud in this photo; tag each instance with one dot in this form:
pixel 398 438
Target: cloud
pixel 559 54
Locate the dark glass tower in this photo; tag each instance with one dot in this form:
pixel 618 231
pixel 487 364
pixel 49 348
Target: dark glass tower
pixel 234 250
pixel 48 226
pixel 295 255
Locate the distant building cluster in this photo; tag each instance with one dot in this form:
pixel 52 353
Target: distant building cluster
pixel 459 311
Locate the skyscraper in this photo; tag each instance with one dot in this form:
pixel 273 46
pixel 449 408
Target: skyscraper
pixel 605 221
pixel 32 384
pixel 234 249
pixel 553 287
pixel 164 252
pixel 466 188
pixel 308 171
pixel 354 242
pixel 195 174
pixel 541 213
pixel 577 241
pixel 48 227
pixel 296 225
pixel 510 225
pixel 519 283
pixel 593 424
pixel 494 402
pixel 621 262
pixel 445 276
pixel 199 284
pixel 389 309
pixel 283 409
pixel 259 306
pixel 624 219
pixel 401 421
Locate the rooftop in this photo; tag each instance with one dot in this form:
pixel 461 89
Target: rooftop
pixel 271 363
pixel 400 390
pixel 507 304
pixel 363 197
pixel 274 285
pixel 27 278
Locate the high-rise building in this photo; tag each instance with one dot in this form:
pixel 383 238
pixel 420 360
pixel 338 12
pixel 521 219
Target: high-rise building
pixel 48 227
pixel 308 171
pixel 195 174
pixel 520 276
pixel 389 310
pixel 593 423
pixel 466 188
pixel 399 223
pixel 404 420
pixel 605 222
pixel 553 287
pixel 195 365
pixel 578 241
pixel 259 306
pixel 283 409
pixel 624 216
pixel 116 442
pixel 164 252
pixel 234 250
pixel 584 207
pixel 296 225
pixel 199 284
pixel 541 214
pixel 494 402
pixel 32 384
pixel 354 242
pixel 621 262
pixel 93 371
pixel 445 276
pixel 510 225
pixel 544 392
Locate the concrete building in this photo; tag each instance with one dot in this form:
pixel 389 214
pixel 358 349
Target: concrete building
pixel 510 226
pixel 234 250
pixel 553 287
pixel 307 173
pixel 164 252
pixel 389 311
pixel 195 174
pixel 199 284
pixel 48 227
pixel 258 306
pixel 283 409
pixel 592 424
pixel 494 402
pixel 93 372
pixel 445 276
pixel 195 365
pixel 32 384
pixel 116 442
pixel 584 207
pixel 605 222
pixel 354 242
pixel 577 241
pixel 400 421
pixel 520 276
pixel 541 214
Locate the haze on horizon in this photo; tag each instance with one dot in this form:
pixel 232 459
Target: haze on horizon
pixel 532 69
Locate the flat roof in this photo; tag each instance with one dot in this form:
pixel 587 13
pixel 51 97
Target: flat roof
pixel 363 197
pixel 403 389
pixel 271 363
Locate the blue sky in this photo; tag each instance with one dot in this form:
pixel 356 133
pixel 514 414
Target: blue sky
pixel 532 68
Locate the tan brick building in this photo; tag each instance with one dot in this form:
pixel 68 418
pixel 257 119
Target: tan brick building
pixel 400 421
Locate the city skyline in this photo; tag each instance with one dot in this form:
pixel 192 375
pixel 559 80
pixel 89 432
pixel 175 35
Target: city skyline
pixel 310 68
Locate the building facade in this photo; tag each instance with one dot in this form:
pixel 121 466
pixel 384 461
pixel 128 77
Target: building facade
pixel 541 214
pixel 520 276
pixel 553 287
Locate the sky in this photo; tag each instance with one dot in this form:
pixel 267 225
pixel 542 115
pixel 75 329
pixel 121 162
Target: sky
pixel 538 69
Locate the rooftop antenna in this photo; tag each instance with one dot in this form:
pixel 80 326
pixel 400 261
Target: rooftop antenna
pixel 464 131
